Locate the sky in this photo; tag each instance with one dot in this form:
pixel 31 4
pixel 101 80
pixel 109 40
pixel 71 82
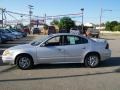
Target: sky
pixel 92 8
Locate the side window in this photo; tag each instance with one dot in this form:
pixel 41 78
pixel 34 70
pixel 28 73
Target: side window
pixel 84 41
pixel 55 41
pixel 72 40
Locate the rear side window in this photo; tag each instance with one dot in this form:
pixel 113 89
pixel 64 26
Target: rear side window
pixel 84 41
pixel 73 40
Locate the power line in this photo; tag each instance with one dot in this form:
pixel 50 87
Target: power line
pixel 64 15
pixel 21 14
pixel 12 16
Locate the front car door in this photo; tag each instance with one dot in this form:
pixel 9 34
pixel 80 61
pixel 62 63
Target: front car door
pixel 52 51
pixel 75 47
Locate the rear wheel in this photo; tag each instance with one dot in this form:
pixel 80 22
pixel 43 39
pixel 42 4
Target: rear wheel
pixel 92 60
pixel 24 62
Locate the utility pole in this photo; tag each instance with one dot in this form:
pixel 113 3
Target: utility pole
pixel 30 14
pixel 45 18
pixel 3 10
pixel 82 10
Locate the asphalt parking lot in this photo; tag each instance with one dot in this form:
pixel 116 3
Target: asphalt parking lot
pixel 63 76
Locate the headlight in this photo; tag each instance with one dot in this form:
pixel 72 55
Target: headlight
pixel 7 53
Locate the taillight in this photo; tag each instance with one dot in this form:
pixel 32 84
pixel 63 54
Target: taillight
pixel 107 46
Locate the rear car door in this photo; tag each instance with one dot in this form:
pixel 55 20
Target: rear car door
pixel 75 48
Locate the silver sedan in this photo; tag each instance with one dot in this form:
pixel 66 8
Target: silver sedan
pixel 58 48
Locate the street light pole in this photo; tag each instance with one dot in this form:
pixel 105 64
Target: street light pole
pixel 100 18
pixel 82 10
pixel 30 14
pixel 21 19
pixel 101 14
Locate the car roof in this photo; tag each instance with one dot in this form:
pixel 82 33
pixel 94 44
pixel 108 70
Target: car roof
pixel 57 34
pixel 64 34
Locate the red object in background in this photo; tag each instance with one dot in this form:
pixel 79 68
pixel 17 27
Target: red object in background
pixel 26 30
pixel 37 22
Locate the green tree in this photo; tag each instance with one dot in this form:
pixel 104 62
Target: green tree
pixel 117 28
pixel 45 26
pixel 110 26
pixel 113 24
pixel 66 23
pixel 55 22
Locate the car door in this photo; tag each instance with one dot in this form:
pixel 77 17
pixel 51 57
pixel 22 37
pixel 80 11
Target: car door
pixel 52 51
pixel 75 47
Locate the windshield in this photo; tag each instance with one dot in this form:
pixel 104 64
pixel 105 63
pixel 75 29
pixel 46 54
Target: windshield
pixel 39 40
pixel 7 31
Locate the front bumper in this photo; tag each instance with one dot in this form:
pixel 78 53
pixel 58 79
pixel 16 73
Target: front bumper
pixel 8 59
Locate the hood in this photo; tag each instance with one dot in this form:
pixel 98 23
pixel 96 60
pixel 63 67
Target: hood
pixel 24 46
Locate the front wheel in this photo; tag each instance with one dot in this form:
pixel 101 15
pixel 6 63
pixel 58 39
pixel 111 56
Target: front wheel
pixel 92 60
pixel 24 62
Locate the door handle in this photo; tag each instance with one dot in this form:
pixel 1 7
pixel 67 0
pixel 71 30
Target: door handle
pixel 84 48
pixel 60 49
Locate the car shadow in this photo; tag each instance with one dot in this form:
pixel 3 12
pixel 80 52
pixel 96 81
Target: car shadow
pixel 57 66
pixel 113 61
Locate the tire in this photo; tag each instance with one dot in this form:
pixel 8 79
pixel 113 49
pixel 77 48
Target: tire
pixel 92 60
pixel 24 62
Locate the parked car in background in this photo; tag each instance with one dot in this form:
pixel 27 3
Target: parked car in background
pixel 58 48
pixel 17 34
pixel 3 38
pixel 10 36
pixel 93 32
pixel 24 34
pixel 63 31
pixel 51 30
pixel 75 31
pixel 36 31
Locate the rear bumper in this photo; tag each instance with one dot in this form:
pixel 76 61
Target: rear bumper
pixel 106 55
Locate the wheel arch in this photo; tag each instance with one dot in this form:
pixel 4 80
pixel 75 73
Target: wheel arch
pixel 95 53
pixel 23 54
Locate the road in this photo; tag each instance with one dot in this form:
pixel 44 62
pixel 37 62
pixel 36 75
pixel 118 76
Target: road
pixel 66 76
